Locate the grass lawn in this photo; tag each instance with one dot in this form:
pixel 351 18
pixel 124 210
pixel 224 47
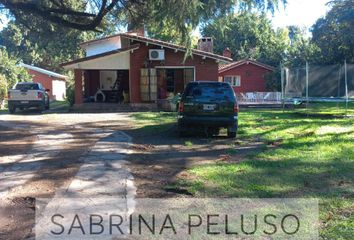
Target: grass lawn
pixel 59 105
pixel 327 108
pixel 156 122
pixel 313 157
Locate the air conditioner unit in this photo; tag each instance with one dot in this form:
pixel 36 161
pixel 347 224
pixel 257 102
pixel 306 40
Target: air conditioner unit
pixel 157 54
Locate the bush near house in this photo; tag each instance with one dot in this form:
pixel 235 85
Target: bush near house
pixel 10 71
pixel 3 90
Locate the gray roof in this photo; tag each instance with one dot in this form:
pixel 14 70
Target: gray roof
pixel 41 70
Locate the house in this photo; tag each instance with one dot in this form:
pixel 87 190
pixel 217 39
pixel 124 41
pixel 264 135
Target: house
pixel 135 69
pixel 56 83
pixel 245 75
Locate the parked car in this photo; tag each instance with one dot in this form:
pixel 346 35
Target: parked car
pixel 26 95
pixel 210 106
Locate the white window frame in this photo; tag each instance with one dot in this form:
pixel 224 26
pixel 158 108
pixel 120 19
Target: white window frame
pixel 235 80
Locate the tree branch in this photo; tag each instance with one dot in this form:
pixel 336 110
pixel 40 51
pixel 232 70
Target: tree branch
pixel 57 15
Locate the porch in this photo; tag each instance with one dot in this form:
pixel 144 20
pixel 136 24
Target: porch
pixel 157 86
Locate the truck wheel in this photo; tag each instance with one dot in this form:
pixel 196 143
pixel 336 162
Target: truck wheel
pixel 47 106
pixel 41 109
pixel 12 109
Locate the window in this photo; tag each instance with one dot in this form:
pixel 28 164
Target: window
pixel 209 91
pixel 234 81
pixel 28 86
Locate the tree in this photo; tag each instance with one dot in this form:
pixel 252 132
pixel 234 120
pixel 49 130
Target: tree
pixel 41 43
pixel 334 34
pixel 10 72
pixel 301 49
pixel 81 15
pixel 248 35
pixel 183 15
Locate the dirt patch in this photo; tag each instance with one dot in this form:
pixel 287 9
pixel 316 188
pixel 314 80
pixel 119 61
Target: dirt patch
pixel 14 142
pixel 320 115
pixel 162 159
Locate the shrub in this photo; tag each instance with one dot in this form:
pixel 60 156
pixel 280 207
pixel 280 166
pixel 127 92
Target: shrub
pixel 3 87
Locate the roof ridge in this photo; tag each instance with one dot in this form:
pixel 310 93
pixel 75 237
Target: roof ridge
pixel 167 44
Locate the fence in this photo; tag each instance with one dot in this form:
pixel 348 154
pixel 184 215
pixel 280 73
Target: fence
pixel 259 98
pixel 311 83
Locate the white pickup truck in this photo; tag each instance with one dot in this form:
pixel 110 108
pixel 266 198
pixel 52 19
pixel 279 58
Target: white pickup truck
pixel 26 95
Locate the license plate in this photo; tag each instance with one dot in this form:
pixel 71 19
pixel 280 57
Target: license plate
pixel 209 107
pixel 24 101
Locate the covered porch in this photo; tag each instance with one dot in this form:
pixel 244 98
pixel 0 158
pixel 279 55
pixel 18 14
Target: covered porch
pixel 102 78
pixel 112 78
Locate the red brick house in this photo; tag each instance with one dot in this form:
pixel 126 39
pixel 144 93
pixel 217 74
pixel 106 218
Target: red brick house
pixel 55 82
pixel 245 75
pixel 129 67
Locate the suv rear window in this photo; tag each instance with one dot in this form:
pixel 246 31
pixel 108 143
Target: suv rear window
pixel 27 86
pixel 209 91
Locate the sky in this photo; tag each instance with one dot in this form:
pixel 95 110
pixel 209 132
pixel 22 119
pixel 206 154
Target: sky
pixel 297 12
pixel 300 12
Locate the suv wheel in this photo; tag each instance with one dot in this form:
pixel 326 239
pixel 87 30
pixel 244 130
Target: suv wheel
pixel 231 134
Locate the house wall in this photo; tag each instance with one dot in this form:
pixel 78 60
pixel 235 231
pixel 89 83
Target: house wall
pixel 112 62
pixel 47 83
pixel 252 77
pixel 102 46
pixel 78 76
pixel 205 69
pixel 59 90
pixel 91 82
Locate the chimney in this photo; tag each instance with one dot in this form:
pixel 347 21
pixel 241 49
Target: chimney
pixel 227 53
pixel 206 44
pixel 136 30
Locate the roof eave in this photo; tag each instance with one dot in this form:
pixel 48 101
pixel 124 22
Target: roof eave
pixel 242 62
pixel 98 40
pixel 67 65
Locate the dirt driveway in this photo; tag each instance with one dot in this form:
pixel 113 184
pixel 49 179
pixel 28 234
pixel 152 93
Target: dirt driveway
pixel 57 143
pixel 40 154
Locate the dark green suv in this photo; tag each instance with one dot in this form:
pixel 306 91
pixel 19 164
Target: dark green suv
pixel 209 106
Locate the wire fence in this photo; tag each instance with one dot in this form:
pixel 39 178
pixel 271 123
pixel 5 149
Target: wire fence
pixel 313 86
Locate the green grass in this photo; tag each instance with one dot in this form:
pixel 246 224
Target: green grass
pixel 327 108
pixel 59 104
pixel 188 143
pixel 313 157
pixel 157 122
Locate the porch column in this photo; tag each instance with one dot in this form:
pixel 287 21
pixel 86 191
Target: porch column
pixel 78 86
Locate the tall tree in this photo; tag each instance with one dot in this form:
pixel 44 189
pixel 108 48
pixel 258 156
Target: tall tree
pixel 10 71
pixel 42 43
pixel 334 33
pixel 248 35
pixel 183 15
pixel 301 49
